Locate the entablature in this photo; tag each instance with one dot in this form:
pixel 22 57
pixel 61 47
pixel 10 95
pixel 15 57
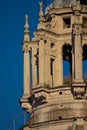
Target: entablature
pixel 42 33
pixel 27 46
pixel 46 34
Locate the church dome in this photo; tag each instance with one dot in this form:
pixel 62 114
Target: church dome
pixel 63 3
pixel 60 4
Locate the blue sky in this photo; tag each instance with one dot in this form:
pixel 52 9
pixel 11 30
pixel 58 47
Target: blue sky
pixel 12 20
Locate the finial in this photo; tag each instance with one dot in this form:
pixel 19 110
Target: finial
pixel 41 12
pixel 26 30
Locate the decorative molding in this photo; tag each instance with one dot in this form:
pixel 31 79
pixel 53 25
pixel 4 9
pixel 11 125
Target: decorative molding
pixel 78 90
pixel 77 30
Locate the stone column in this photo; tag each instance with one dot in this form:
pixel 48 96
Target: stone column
pixel 73 73
pixel 55 73
pixel 34 71
pixel 41 63
pixel 58 70
pixel 47 68
pixel 26 74
pixel 78 86
pixel 77 58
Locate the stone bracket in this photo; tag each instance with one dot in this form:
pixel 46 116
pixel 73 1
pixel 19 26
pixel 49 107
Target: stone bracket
pixel 25 104
pixel 37 99
pixel 78 90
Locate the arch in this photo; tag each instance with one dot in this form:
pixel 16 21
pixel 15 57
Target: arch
pixel 85 52
pixel 84 55
pixel 67 63
pixel 84 43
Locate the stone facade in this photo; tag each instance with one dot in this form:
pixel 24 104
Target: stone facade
pixel 61 35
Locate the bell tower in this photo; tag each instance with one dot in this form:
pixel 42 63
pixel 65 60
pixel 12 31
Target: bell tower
pixel 61 35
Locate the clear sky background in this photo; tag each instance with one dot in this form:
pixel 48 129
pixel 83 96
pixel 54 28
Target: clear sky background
pixel 12 20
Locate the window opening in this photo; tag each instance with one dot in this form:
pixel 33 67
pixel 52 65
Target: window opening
pixel 51 69
pixel 84 63
pixel 66 22
pixel 84 22
pixel 67 64
pixel 52 45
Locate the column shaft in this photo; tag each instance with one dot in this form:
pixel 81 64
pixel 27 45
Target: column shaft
pixel 26 74
pixel 78 59
pixel 47 68
pixel 41 63
pixel 59 68
pixel 34 71
pixel 73 73
pixel 55 74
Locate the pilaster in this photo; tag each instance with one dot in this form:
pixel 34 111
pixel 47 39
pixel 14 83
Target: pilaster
pixel 77 53
pixel 41 63
pixel 78 59
pixel 58 70
pixel 77 44
pixel 47 68
pixel 78 86
pixel 34 67
pixel 26 74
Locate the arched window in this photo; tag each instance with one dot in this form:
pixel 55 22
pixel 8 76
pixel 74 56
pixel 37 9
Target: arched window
pixel 85 62
pixel 67 64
